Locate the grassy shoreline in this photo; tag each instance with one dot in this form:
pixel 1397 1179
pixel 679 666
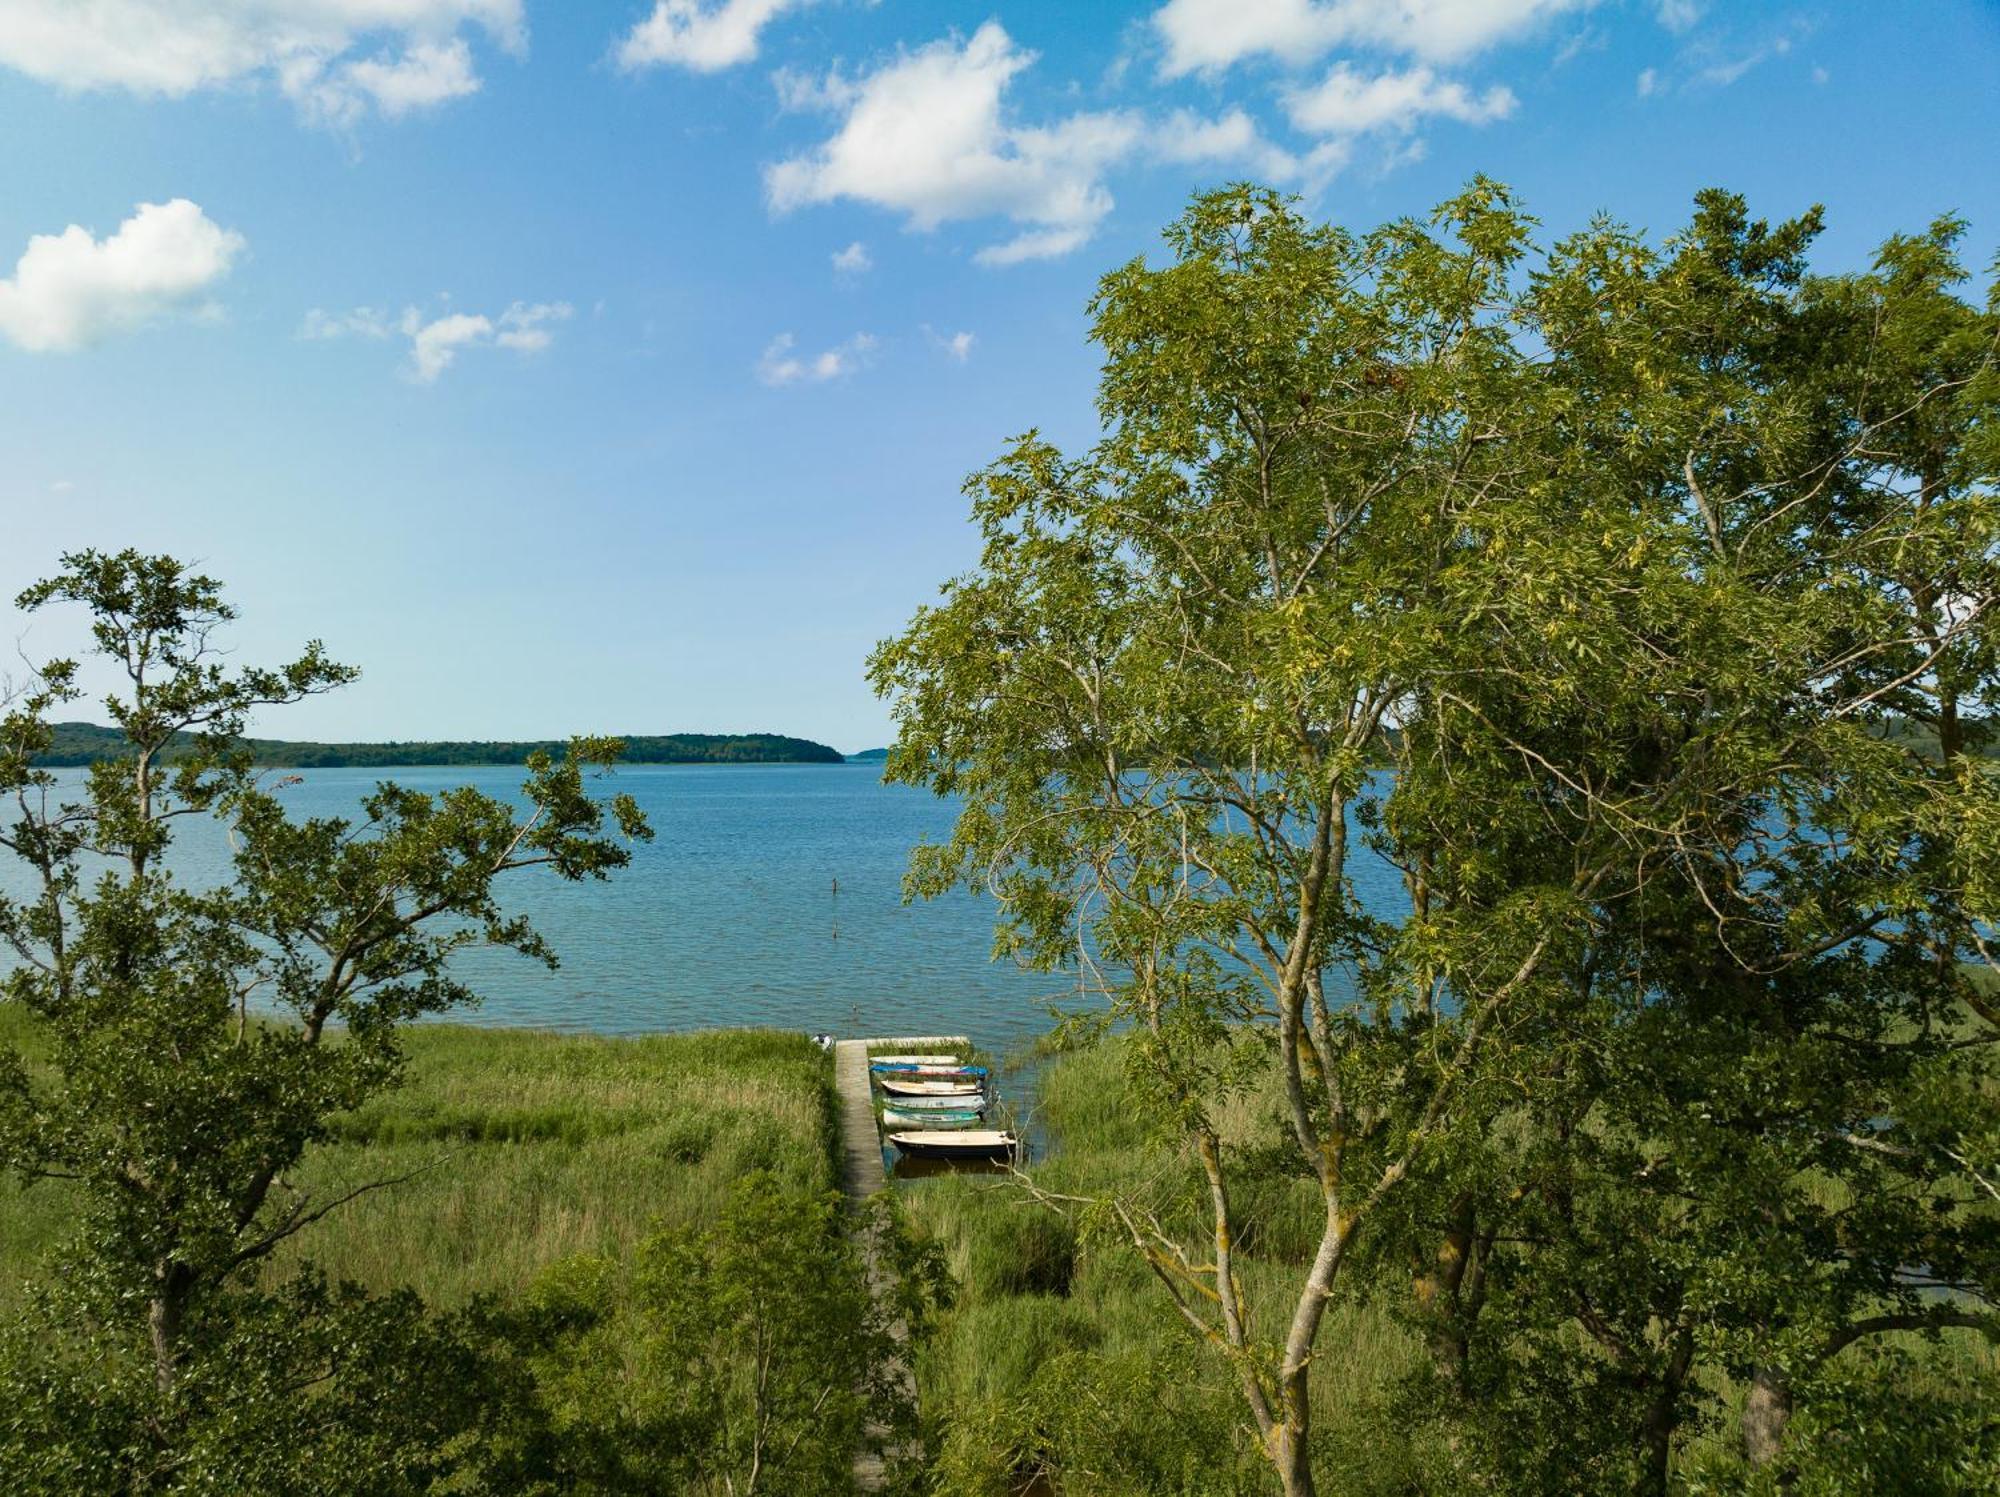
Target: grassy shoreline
pixel 525 1148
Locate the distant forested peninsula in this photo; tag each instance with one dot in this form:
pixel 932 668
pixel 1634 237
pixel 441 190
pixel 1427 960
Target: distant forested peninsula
pixel 86 743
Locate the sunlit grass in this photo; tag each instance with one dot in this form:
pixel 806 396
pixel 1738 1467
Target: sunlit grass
pixel 522 1149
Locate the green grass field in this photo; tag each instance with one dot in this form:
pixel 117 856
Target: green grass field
pixel 525 1148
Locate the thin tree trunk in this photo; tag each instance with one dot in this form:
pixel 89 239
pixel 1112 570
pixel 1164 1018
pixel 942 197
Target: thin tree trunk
pixel 1766 1412
pixel 1656 1437
pixel 1440 1292
pixel 165 1314
pixel 1291 1450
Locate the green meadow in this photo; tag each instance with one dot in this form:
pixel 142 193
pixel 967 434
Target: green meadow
pixel 515 1150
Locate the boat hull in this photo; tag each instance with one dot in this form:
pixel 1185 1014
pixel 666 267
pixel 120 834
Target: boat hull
pixel 979 1144
pixel 962 1102
pixel 926 1073
pixel 897 1088
pixel 934 1117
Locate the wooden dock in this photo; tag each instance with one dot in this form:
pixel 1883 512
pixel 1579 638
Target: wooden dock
pixel 861 1175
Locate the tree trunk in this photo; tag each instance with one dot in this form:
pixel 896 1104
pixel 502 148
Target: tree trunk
pixel 1656 1436
pixel 1766 1412
pixel 1656 1446
pixel 1291 1450
pixel 1444 1293
pixel 164 1316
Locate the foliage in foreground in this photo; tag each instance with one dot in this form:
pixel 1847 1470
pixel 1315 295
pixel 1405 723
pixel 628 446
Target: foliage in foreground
pixel 1631 602
pixel 738 1356
pixel 1058 1362
pixel 595 1225
pixel 179 1124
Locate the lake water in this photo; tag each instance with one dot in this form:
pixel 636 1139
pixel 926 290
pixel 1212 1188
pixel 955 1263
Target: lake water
pixel 729 916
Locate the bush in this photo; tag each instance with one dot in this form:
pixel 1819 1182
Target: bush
pixel 256 1407
pixel 750 1344
pixel 1877 1423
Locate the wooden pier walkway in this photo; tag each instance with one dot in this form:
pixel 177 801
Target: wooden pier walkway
pixel 861 1175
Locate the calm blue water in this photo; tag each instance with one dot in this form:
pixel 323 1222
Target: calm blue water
pixel 729 917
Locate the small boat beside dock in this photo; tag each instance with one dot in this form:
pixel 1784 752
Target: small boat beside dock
pixel 902 1071
pixel 989 1144
pixel 948 1102
pixel 932 1117
pixel 930 1088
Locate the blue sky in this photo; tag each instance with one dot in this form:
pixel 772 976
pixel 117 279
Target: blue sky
pixel 503 345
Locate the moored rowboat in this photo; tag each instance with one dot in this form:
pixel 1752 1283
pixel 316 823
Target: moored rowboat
pixel 946 1102
pixel 899 1070
pixel 913 1060
pixel 921 1088
pixel 969 1143
pixel 932 1117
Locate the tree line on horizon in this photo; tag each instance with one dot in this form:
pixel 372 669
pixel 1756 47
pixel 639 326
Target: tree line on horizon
pixel 74 744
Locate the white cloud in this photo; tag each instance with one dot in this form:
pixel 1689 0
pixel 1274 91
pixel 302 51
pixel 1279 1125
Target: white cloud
pixel 525 329
pixel 71 289
pixel 954 345
pixel 696 34
pixel 780 364
pixel 1347 102
pixel 1206 35
pixel 1721 64
pixel 853 260
pixel 1186 137
pixel 1034 244
pixel 174 47
pixel 1649 83
pixel 435 342
pixel 799 92
pixel 422 78
pixel 1587 39
pixel 362 322
pixel 1678 15
pixel 1722 74
pixel 928 135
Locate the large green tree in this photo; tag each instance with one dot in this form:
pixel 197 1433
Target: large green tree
pixel 199 1039
pixel 1601 593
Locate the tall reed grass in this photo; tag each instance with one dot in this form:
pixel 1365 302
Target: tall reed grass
pixel 522 1148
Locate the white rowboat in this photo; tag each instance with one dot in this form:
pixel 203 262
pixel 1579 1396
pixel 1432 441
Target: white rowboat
pixel 958 1143
pixel 932 1088
pixel 948 1102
